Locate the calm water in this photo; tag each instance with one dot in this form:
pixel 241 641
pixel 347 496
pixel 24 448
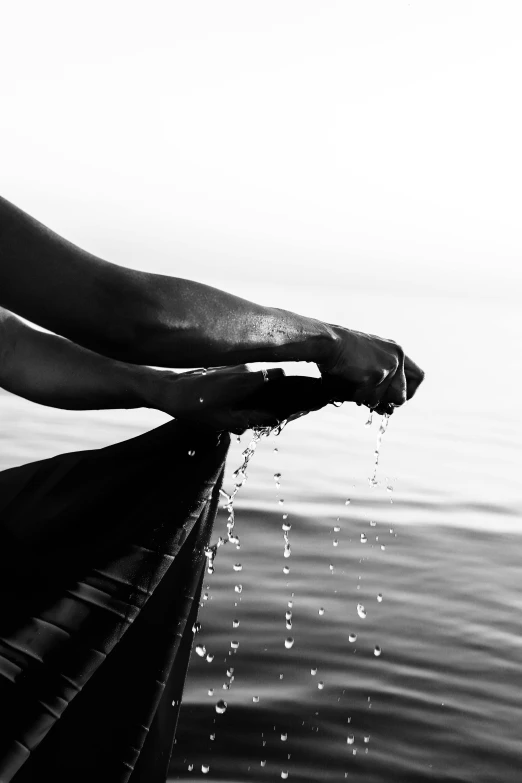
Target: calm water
pixel 443 699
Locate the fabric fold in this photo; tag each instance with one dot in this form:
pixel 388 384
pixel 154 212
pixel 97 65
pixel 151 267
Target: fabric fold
pixel 101 565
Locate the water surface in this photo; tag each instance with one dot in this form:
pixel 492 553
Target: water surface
pixel 442 700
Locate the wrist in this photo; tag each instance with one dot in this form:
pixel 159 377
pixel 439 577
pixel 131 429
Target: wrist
pixel 309 340
pixel 146 387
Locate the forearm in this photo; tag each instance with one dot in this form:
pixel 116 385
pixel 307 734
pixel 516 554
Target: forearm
pixel 53 371
pixel 140 317
pixel 190 324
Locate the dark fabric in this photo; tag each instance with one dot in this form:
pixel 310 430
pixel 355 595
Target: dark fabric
pixel 101 566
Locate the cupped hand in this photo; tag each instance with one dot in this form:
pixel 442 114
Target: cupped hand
pixel 371 371
pixel 218 397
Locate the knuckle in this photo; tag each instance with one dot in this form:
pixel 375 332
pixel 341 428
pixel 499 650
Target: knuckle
pixel 400 352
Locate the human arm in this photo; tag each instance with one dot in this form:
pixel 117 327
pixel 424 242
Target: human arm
pixel 54 371
pixel 145 318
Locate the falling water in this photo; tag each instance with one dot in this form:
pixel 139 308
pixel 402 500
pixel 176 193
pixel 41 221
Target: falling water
pixel 382 429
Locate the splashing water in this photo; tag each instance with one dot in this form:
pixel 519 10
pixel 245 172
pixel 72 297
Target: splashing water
pixel 240 476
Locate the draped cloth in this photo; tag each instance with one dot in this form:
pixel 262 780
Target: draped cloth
pixel 101 567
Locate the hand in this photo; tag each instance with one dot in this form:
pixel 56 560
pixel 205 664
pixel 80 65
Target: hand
pixel 370 371
pixel 217 397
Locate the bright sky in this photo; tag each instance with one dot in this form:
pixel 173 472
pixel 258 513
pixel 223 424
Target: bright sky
pixel 353 142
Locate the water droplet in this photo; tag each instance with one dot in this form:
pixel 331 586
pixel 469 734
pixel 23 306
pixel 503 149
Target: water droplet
pixel 201 399
pixel 352 637
pixel 234 644
pixel 284 737
pixel 320 685
pixel 290 604
pixel 361 611
pixel 190 767
pixel 336 529
pixel 226 686
pixel 389 488
pixel 350 739
pixel 347 502
pixel 276 450
pixel 377 651
pixel 201 651
pixel 363 539
pixel 205 596
pixel 205 768
pixel 263 763
pixel 211 691
pixel 255 699
pixel 335 542
pixel 372 523
pixel 284 774
pixel 289 643
pixel 321 611
pixel 238 567
pixel 288 625
pixel 281 501
pixel 367 738
pixel 331 567
pixel 210 658
pixel 221 707
pixel 191 452
pixel 230 672
pixel 277 476
pixel 383 547
pixel 238 588
pixel 286 527
pixel 313 671
pixel 196 628
pixel 287 551
pixel 286 570
pixel 285 516
pixel 379 597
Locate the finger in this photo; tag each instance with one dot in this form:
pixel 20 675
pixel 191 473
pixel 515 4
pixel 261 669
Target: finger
pixel 396 391
pixel 385 409
pixel 372 394
pixel 414 377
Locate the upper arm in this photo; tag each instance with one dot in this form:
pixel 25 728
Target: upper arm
pixel 57 285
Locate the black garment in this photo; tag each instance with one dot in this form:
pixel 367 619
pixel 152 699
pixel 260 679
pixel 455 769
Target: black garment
pixel 101 567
